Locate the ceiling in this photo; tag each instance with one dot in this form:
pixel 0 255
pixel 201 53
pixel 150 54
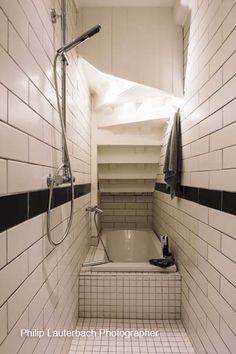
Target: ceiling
pixel 128 3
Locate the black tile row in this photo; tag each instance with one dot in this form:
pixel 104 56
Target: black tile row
pixel 220 200
pixel 17 208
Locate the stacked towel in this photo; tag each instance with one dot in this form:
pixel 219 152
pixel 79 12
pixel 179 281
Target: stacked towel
pixel 173 159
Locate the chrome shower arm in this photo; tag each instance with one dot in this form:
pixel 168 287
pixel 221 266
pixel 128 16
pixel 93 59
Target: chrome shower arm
pixel 84 37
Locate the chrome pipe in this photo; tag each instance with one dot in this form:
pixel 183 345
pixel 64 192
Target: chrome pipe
pixel 66 175
pixel 65 155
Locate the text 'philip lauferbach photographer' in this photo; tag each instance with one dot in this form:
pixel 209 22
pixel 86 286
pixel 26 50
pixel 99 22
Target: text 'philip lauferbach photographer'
pixel 90 333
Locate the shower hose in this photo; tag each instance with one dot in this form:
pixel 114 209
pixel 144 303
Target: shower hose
pixel 67 166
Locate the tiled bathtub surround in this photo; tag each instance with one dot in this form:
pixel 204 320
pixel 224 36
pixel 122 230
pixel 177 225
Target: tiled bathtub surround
pixel 39 285
pixel 202 223
pixel 126 210
pixel 129 295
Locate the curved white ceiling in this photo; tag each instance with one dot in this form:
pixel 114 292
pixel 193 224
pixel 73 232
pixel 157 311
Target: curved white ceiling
pixel 128 3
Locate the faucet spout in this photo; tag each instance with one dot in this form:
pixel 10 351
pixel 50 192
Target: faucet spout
pixel 94 209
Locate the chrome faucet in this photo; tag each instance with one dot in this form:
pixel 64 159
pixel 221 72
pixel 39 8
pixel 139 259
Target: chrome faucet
pixel 93 209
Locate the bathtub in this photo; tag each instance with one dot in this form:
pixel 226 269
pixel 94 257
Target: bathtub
pixel 129 250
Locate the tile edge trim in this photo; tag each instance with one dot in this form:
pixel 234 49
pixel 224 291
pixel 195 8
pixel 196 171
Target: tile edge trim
pixel 216 199
pixel 20 207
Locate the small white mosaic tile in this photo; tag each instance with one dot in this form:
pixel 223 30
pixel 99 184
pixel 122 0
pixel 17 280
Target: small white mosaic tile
pixel 129 295
pixel 170 337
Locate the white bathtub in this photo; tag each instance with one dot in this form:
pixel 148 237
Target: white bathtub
pixel 129 250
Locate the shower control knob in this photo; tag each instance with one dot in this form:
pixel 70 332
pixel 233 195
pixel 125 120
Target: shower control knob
pixel 58 180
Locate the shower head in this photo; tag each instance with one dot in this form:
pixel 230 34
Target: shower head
pixel 94 30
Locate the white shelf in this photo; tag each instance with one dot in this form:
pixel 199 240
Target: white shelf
pixel 128 154
pixel 127 171
pixel 126 185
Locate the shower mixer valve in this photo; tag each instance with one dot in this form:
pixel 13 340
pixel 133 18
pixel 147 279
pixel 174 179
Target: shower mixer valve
pixel 58 180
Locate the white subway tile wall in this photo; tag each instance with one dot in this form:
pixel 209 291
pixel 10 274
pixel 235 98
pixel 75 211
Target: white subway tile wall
pixel 126 210
pixel 129 295
pixel 39 284
pixel 204 244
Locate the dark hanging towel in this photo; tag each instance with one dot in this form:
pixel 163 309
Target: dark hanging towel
pixel 173 159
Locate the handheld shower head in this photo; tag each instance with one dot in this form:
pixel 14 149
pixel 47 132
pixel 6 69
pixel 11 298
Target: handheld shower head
pixel 85 36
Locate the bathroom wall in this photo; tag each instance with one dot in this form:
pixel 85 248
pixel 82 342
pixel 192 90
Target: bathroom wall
pixel 141 44
pixel 39 283
pixel 126 210
pixel 202 221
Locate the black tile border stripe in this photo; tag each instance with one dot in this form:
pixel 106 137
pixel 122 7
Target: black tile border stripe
pixel 215 199
pixel 17 208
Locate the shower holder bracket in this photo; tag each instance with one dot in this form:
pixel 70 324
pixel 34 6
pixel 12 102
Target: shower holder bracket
pixel 54 16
